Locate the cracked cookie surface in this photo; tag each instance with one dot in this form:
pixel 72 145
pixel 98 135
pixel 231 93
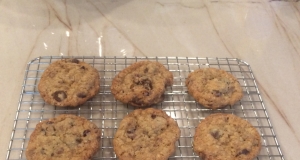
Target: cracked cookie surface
pixel 214 88
pixel 226 137
pixel 69 82
pixel 148 134
pixel 65 137
pixel 142 84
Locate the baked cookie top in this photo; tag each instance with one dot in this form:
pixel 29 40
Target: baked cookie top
pixel 64 137
pixel 69 82
pixel 226 137
pixel 214 88
pixel 142 84
pixel 146 134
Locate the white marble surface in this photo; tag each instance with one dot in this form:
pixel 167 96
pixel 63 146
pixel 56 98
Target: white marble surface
pixel 264 33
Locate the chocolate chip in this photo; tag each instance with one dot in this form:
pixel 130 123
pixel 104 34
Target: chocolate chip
pixel 146 93
pixel 81 95
pixel 226 119
pixel 146 83
pixel 82 67
pixel 244 151
pixel 43 151
pixel 78 140
pixel 59 95
pixel 216 93
pixel 60 151
pixel 75 60
pixel 215 134
pixel 49 122
pixel 137 101
pixel 132 86
pixel 146 70
pixel 85 132
pixel 130 133
pixel 136 78
pixel 153 116
pixel 52 154
pixel 150 85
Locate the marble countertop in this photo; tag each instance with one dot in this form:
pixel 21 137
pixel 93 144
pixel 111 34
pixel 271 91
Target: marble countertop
pixel 264 33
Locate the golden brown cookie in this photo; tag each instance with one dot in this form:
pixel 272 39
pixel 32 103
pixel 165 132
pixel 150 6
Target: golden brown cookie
pixel 146 135
pixel 142 84
pixel 214 88
pixel 226 137
pixel 64 137
pixel 69 82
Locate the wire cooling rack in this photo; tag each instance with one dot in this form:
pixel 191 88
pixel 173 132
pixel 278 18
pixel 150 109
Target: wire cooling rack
pixel 106 112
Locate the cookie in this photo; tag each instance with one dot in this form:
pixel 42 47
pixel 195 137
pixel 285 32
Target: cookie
pixel 226 137
pixel 146 134
pixel 69 82
pixel 214 88
pixel 64 137
pixel 142 84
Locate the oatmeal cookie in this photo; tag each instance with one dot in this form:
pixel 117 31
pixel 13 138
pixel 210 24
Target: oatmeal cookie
pixel 142 84
pixel 69 82
pixel 146 134
pixel 214 88
pixel 226 137
pixel 64 137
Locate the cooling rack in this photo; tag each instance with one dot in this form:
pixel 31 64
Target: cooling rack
pixel 106 112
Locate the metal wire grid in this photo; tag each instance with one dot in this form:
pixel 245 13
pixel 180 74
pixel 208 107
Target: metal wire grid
pixel 107 113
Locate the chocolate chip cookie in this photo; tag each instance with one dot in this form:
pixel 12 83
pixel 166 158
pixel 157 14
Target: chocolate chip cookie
pixel 142 84
pixel 146 134
pixel 64 137
pixel 226 136
pixel 214 88
pixel 69 82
